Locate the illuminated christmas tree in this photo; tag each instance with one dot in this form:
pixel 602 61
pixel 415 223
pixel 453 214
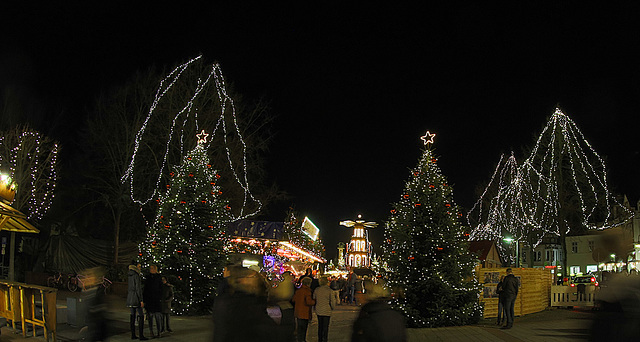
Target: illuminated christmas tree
pixel 187 237
pixel 427 253
pixel 559 190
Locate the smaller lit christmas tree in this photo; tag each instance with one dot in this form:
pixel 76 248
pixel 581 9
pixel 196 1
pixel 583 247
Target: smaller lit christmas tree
pixel 426 250
pixel 187 237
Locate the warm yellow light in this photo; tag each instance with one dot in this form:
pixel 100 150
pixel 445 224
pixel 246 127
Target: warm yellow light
pixel 301 251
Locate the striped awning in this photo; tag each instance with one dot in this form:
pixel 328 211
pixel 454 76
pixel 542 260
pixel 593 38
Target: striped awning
pixel 14 221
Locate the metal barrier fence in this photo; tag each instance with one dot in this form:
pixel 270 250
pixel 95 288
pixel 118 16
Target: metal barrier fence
pixel 570 296
pixel 29 304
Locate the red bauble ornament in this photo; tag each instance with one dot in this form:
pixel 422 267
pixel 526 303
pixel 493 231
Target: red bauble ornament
pixel 431 186
pixel 190 174
pixel 406 196
pixel 417 205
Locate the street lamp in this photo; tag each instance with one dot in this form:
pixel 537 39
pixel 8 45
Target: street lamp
pixel 510 240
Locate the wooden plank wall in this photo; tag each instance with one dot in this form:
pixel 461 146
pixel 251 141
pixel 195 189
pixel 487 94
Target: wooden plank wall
pixel 533 296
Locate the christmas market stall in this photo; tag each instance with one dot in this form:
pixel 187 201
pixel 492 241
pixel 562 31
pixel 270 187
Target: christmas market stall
pixel 274 247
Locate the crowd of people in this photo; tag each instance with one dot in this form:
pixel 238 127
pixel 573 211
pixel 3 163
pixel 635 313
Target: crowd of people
pixel 241 307
pixel 245 301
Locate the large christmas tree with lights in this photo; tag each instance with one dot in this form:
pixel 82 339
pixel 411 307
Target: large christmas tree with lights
pixel 187 237
pixel 426 251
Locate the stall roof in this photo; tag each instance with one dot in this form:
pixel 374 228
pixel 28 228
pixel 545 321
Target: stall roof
pixel 256 229
pixel 13 220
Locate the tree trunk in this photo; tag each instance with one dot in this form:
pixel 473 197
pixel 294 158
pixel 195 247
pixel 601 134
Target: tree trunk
pixel 117 236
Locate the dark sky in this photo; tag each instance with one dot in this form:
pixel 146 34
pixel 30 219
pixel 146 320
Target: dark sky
pixel 355 87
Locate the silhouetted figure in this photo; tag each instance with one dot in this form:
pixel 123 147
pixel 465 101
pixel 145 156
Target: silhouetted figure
pixel 502 313
pixel 152 295
pixel 167 298
pixel 510 290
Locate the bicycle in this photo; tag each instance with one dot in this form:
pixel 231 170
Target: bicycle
pixel 56 281
pixel 74 282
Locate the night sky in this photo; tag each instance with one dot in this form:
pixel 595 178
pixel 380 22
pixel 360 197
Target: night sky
pixel 354 88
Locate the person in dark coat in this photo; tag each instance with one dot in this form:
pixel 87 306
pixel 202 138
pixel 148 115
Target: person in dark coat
pixel 167 298
pixel 152 296
pixel 377 321
pixel 241 314
pixel 502 313
pixel 135 300
pixel 510 290
pixel 352 279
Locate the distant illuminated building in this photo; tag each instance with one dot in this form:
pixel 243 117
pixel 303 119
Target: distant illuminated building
pixel 359 249
pixel 341 258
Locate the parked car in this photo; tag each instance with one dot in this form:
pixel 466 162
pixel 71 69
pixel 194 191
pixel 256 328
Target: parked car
pixel 587 280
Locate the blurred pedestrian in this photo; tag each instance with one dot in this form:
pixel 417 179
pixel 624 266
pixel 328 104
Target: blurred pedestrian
pixel 303 303
pixel 352 279
pixel 99 322
pixel 281 295
pixel 326 300
pixel 377 321
pixel 510 289
pixel 135 300
pixel 241 315
pixel 167 298
pixel 152 295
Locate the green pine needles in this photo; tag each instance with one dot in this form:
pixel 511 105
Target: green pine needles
pixel 426 251
pixel 187 238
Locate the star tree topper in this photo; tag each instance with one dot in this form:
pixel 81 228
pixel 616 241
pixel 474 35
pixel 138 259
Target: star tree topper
pixel 202 137
pixel 428 138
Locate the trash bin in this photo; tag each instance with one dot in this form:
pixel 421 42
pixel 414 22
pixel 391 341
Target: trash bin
pixel 77 310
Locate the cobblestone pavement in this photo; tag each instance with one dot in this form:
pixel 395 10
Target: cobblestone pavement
pixel 549 325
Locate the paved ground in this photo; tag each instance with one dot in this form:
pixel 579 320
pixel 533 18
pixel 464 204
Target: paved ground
pixel 550 325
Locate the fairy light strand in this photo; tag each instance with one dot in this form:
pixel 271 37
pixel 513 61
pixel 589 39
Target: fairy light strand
pixel 188 114
pixel 526 204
